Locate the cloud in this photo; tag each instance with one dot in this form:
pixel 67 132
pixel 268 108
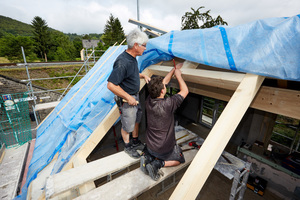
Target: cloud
pixel 90 16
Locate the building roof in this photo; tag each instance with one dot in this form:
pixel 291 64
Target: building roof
pixel 87 44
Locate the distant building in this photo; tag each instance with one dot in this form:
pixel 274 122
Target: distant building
pixel 87 44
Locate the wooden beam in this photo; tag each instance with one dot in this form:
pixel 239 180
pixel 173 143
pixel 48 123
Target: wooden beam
pixel 203 163
pixel 87 186
pixel 274 100
pixel 270 99
pixel 148 32
pixel 44 106
pixel 189 64
pixel 147 26
pixel 228 80
pixel 2 152
pixel 134 183
pixel 279 101
pixel 71 179
pixel 205 90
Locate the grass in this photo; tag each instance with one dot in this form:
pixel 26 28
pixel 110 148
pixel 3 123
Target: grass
pixel 46 72
pixel 4 60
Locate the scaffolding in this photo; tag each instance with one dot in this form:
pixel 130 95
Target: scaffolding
pixel 15 126
pixel 90 56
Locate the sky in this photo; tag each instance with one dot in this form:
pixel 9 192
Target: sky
pixel 90 16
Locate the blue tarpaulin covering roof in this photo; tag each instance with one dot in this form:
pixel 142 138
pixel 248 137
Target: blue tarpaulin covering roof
pixel 269 47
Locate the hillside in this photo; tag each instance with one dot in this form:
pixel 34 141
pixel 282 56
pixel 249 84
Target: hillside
pixel 15 27
pixel 8 25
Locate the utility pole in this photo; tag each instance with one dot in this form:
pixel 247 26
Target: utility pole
pixel 138 12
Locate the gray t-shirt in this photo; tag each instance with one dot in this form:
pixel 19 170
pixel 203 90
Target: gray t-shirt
pixel 160 135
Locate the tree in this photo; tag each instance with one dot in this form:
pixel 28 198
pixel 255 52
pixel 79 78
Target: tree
pixel 191 20
pixel 41 35
pixel 60 47
pixel 10 47
pixel 113 32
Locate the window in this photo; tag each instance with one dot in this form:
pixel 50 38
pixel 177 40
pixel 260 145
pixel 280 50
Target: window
pixel 286 133
pixel 210 111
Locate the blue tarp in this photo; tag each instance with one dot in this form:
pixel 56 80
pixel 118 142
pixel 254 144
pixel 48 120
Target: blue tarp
pixel 269 47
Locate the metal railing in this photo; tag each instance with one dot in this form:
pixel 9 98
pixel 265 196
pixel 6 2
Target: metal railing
pixel 89 58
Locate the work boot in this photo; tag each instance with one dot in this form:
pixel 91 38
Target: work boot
pixel 153 168
pixel 132 152
pixel 138 146
pixel 145 159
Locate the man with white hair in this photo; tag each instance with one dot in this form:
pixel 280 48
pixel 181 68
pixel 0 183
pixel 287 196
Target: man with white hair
pixel 124 82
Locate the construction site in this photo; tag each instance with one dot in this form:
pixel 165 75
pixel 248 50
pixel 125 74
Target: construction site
pixel 243 81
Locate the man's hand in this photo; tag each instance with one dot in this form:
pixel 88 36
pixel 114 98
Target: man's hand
pixel 179 65
pixel 131 101
pixel 145 77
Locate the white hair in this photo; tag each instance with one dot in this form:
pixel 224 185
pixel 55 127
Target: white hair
pixel 136 36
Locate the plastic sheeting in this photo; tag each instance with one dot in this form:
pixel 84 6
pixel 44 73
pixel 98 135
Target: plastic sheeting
pixel 268 47
pixel 74 118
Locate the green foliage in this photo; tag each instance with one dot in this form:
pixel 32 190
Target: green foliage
pixel 61 48
pixel 41 35
pixel 14 27
pixel 77 42
pixel 284 130
pixel 113 32
pixel 87 37
pixel 194 19
pixel 10 47
pixel 95 36
pixel 39 40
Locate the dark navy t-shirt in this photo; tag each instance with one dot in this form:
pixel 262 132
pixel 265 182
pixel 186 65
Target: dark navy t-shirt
pixel 126 73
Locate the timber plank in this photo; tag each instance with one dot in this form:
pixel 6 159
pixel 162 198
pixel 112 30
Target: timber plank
pixel 11 171
pixel 203 163
pixel 44 106
pixel 270 99
pixel 134 183
pixel 78 176
pixel 228 80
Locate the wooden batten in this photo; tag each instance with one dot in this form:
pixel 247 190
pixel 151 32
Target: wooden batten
pixel 203 163
pixel 149 32
pixel 228 80
pixel 147 26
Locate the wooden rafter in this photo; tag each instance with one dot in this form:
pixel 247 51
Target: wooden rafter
pixel 216 79
pixel 203 163
pixel 147 26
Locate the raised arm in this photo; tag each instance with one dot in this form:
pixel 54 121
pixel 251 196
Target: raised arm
pixel 170 74
pixel 182 85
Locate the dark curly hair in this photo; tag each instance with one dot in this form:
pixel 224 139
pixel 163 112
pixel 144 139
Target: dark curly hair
pixel 155 86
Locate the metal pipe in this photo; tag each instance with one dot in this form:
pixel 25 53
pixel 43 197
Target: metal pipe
pixel 30 84
pixel 50 78
pixel 84 64
pixel 138 12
